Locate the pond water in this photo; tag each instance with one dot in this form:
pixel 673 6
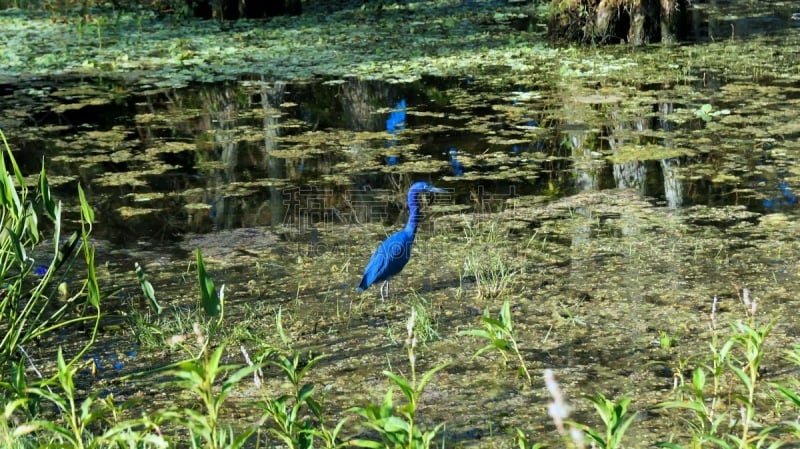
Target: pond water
pixel 609 195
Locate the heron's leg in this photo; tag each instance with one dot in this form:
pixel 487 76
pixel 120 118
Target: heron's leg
pixel 385 284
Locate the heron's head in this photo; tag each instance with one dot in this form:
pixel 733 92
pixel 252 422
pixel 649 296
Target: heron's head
pixel 424 187
pixel 419 188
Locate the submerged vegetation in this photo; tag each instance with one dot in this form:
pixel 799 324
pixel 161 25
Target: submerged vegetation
pixel 722 391
pixel 614 264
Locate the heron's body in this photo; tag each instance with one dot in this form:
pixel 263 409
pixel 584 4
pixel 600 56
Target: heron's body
pixel 388 259
pixel 393 253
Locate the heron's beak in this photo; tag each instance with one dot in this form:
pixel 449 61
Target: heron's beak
pixel 433 189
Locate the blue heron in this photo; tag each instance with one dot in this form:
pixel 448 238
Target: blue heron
pixel 393 253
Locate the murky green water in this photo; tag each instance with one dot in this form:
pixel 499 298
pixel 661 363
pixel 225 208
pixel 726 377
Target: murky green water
pixel 617 206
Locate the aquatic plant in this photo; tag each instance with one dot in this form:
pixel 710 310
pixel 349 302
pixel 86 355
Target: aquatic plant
pixel 500 336
pixel 151 330
pixel 32 303
pixel 211 382
pixel 147 289
pixel 615 417
pixel 706 112
pixel 400 430
pixel 297 417
pixel 523 443
pixel 212 301
pixel 81 420
pixel 665 340
pixel 485 261
pixel 426 327
pixel 724 413
pixel 789 391
pixel 36 305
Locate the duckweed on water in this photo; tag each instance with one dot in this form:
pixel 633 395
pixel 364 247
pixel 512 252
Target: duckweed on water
pixel 593 258
pixel 622 215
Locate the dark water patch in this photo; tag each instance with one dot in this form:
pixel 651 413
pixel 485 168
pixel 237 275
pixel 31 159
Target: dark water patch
pixel 717 21
pixel 151 159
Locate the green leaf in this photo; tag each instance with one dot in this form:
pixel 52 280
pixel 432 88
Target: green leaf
pixel 482 350
pixel 66 250
pixel 305 392
pixel 725 350
pixel 87 213
pixel 234 378
pixel 91 277
pixel 10 198
pixel 64 374
pixel 147 289
pixel 212 365
pixel 427 377
pixel 396 424
pixel 32 224
pixel 477 333
pixel 19 250
pixel 742 376
pixel 505 315
pixel 594 435
pixel 387 406
pixel 87 218
pixel 494 323
pixel 619 430
pixel 368 443
pixel 403 384
pixel 208 295
pixel 310 363
pixel 699 381
pixel 56 429
pixel 50 206
pixel 14 166
pixel 788 393
pixel 720 442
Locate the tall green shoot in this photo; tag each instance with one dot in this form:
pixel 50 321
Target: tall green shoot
pixel 398 427
pixel 499 333
pixel 28 303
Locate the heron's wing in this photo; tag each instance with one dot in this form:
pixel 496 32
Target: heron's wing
pixel 388 259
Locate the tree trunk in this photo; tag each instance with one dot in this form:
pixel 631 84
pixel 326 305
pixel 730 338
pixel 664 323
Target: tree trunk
pixel 249 9
pixel 614 21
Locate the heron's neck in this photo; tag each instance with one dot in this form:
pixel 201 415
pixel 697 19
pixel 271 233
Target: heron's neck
pixel 414 217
